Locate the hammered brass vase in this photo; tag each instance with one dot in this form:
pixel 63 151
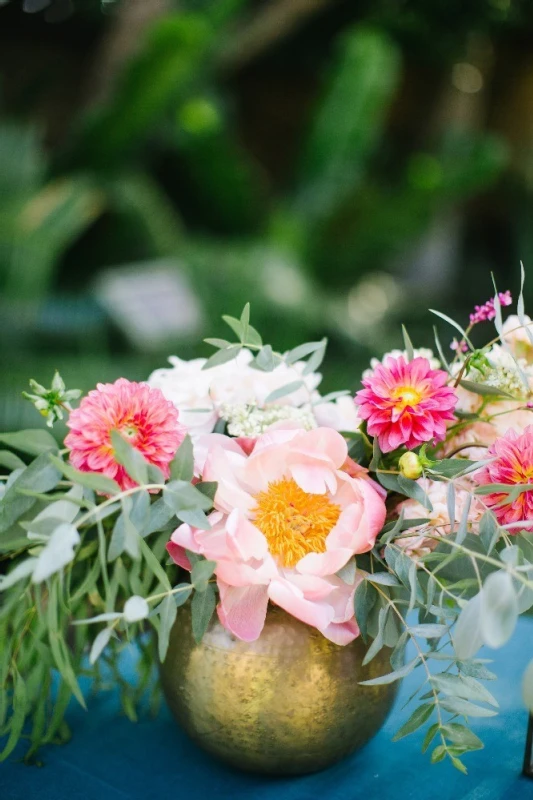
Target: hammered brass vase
pixel 287 704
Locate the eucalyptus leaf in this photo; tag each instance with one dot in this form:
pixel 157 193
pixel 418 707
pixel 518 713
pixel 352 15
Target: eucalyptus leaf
pixel 159 516
pixel 92 480
pixel 57 553
pixel 283 391
pixel 467 635
pixel 301 351
pixel 183 496
pixel 265 360
pixel 33 441
pixel 133 462
pixel 202 608
pixel 222 356
pixel 99 644
pixel 462 736
pixel 420 715
pixel 456 705
pixel 498 609
pixel 10 460
pixel 39 476
pixel 182 465
pixel 484 390
pixel 378 642
pixel 364 600
pixel 21 571
pixel 397 675
pixel 167 613
pixel 407 344
pixel 452 467
pixel 135 609
pixel 201 573
pixel 196 518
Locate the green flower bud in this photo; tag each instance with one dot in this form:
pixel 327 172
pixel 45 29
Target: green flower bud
pixel 410 466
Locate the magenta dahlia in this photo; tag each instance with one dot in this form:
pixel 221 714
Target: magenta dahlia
pixel 406 403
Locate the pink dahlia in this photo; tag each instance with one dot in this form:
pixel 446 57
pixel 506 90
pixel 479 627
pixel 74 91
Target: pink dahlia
pixel 512 463
pixel 406 403
pixel 287 518
pixel 139 413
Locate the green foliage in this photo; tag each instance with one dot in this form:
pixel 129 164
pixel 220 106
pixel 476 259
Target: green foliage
pixel 81 559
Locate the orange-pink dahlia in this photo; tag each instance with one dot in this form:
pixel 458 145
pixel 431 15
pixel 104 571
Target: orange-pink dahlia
pixel 139 413
pixel 511 464
pixel 406 403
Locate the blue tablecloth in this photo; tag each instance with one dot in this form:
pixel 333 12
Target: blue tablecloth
pixel 110 758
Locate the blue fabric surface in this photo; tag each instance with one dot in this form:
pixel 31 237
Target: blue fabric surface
pixel 109 758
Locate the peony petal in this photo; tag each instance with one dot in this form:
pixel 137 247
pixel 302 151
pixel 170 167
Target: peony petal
pixel 204 444
pixel 244 538
pixel 184 536
pixel 341 633
pixel 243 610
pixel 344 534
pixel 235 573
pixel 230 494
pixel 314 478
pixel 178 555
pixel 290 598
pixel 324 564
pixel 311 586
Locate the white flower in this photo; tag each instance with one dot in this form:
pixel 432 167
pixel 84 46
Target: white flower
pixel 251 421
pixel 188 387
pixel 420 352
pixel 340 414
pixel 516 336
pixel 200 394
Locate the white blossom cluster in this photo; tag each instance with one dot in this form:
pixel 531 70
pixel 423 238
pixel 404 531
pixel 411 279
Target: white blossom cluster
pixel 250 420
pixel 506 372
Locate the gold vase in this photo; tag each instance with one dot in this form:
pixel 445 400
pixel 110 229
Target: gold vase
pixel 287 704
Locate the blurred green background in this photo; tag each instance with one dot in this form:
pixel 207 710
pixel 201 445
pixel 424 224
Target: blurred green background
pixel 342 165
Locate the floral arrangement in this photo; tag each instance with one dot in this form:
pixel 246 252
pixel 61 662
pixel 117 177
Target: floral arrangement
pixel 403 514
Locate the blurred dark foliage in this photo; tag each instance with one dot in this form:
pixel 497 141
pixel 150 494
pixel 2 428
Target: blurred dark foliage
pixel 341 165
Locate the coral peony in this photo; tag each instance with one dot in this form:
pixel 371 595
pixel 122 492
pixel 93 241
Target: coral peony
pixel 287 518
pixel 406 403
pixel 141 414
pixel 512 464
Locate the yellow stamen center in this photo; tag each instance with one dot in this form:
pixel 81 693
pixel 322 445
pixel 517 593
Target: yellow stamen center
pixel 294 522
pixel 406 396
